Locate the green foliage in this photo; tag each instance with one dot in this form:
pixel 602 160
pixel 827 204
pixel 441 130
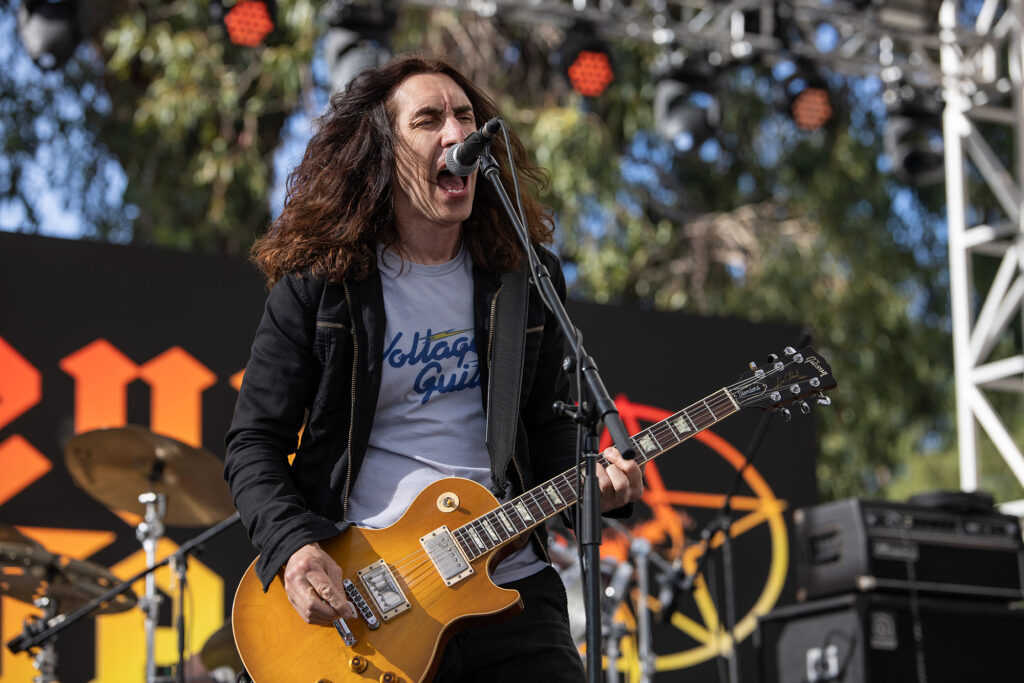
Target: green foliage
pixel 192 120
pixel 197 119
pixel 812 241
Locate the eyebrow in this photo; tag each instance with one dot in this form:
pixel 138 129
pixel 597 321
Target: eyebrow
pixel 435 111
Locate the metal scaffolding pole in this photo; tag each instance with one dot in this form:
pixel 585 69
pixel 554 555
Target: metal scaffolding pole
pixel 986 355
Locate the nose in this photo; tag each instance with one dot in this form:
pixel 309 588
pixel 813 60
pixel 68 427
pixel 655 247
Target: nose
pixel 452 132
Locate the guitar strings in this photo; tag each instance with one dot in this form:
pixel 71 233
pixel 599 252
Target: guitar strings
pixel 412 568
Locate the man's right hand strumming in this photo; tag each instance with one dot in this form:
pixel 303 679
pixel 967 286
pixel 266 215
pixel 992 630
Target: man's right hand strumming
pixel 313 582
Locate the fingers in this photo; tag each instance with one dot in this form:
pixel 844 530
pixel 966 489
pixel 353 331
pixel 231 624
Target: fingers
pixel 313 583
pixel 621 481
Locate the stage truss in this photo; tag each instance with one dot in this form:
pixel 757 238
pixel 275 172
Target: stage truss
pixel 969 54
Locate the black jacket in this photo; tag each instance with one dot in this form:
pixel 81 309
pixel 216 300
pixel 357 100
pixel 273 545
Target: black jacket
pixel 316 366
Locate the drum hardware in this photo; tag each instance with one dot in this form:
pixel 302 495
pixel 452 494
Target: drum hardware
pixel 30 573
pixel 182 486
pixel 46 629
pixel 45 660
pixel 640 551
pixel 149 532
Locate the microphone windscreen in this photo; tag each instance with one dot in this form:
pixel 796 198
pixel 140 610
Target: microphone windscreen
pixel 457 167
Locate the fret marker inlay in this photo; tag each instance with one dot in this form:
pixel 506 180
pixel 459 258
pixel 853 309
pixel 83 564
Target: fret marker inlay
pixel 648 444
pixel 504 521
pixel 490 530
pixel 476 538
pixel 553 495
pixel 681 425
pixel 524 513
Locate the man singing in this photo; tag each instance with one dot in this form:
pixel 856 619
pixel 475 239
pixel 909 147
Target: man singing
pixel 387 273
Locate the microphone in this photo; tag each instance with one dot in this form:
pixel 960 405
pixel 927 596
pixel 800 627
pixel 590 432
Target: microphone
pixel 463 158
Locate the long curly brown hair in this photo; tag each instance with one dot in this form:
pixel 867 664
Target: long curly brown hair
pixel 339 200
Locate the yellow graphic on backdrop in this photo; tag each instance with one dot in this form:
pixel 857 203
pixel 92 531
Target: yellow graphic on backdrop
pixel 120 638
pixel 706 636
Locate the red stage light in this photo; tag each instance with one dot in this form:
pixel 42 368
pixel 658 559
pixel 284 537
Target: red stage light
pixel 249 22
pixel 591 72
pixel 811 109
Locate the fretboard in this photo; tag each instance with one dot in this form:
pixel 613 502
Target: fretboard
pixel 540 503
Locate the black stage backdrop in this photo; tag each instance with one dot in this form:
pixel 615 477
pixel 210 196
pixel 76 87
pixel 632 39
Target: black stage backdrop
pixel 96 335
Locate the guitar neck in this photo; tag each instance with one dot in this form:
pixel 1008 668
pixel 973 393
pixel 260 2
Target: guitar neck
pixel 542 502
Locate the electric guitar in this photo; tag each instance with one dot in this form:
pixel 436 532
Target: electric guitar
pixel 418 581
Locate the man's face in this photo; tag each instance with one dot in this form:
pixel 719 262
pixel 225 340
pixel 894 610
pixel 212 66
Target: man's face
pixel 432 113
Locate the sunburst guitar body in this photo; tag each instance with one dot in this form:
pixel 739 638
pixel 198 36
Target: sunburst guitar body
pixel 423 578
pixel 439 591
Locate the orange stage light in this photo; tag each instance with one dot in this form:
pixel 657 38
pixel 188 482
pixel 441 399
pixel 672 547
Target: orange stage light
pixel 811 109
pixel 591 73
pixel 249 22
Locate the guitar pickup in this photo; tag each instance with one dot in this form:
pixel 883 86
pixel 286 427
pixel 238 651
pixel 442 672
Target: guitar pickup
pixel 449 560
pixel 383 589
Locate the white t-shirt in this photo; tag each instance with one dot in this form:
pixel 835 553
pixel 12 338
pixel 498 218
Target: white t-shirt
pixel 429 421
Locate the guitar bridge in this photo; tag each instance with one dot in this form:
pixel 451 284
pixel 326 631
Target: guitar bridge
pixel 356 598
pixel 449 560
pixel 382 587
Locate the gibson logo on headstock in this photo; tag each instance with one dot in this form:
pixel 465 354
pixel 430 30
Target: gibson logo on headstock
pixel 816 364
pixel 752 390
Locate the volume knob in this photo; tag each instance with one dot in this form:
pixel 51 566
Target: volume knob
pixel 358 664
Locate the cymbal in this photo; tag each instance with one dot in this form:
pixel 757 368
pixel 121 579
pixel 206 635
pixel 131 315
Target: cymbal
pixel 28 572
pixel 116 465
pixel 219 650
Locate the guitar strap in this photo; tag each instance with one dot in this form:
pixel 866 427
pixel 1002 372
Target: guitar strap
pixel 506 372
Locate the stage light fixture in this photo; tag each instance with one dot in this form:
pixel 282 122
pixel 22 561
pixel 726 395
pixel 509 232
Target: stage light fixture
pixel 247 22
pixel 49 31
pixel 587 60
pixel 686 107
pixel 808 97
pixel 913 135
pixel 358 38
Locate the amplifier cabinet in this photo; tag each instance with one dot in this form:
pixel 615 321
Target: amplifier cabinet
pixel 863 545
pixel 870 638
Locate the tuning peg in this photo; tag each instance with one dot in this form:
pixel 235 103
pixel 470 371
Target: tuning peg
pixel 773 358
pixel 823 400
pixel 786 415
pixel 789 350
pixel 753 366
pixel 804 408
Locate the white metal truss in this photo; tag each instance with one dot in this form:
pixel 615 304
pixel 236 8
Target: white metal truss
pixel 986 357
pixel 973 55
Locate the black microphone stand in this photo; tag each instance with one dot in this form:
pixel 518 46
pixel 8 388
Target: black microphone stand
pixel 36 635
pixel 595 405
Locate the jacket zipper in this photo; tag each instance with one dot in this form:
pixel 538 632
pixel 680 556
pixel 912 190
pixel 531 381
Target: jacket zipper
pixel 352 413
pixel 490 387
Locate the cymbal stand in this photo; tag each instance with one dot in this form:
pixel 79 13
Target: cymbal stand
pixel 640 549
pixel 42 630
pixel 149 532
pixel 45 660
pixel 612 630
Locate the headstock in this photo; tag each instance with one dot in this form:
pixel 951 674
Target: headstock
pixel 794 377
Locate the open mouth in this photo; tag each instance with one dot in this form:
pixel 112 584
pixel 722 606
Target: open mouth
pixel 451 183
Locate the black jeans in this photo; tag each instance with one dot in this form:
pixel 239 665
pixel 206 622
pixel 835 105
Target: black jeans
pixel 534 645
